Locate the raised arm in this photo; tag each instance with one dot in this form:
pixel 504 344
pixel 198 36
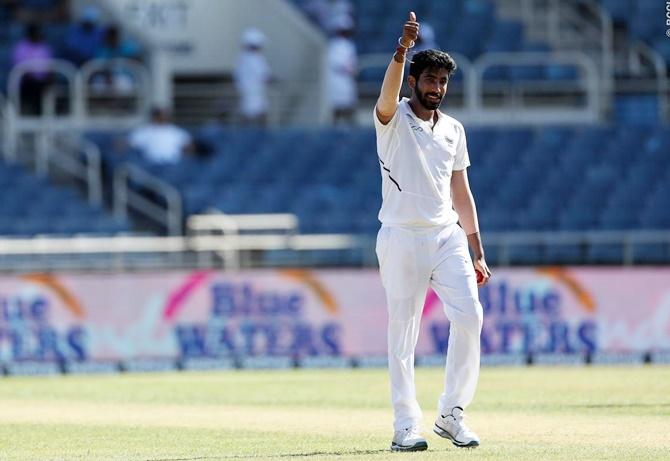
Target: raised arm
pixel 464 204
pixel 387 103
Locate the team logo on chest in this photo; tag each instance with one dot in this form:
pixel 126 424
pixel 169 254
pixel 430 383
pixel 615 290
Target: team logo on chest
pixel 413 125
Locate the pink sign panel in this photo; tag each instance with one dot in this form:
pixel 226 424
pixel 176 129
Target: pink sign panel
pixel 304 313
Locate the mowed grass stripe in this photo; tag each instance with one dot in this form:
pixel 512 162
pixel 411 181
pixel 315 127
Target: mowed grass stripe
pixel 595 413
pixel 232 417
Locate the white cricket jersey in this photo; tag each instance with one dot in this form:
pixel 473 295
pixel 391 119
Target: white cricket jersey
pixel 416 163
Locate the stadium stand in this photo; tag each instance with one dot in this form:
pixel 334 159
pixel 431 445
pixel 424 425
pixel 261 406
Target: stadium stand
pixel 33 206
pixel 469 27
pixel 643 20
pixel 609 176
pixel 589 178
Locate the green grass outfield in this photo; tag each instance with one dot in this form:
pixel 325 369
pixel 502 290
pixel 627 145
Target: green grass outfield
pixel 585 413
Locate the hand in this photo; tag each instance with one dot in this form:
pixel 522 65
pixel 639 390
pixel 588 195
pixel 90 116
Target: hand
pixel 483 269
pixel 410 31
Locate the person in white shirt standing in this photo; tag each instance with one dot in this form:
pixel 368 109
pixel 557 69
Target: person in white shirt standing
pixel 342 70
pixel 252 76
pixel 161 141
pixel 423 159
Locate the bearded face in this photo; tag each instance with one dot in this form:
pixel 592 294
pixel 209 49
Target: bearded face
pixel 431 87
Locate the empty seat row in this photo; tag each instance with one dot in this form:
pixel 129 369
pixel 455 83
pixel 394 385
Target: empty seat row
pixel 32 205
pixel 598 177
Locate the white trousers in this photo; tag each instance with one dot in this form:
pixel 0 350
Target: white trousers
pixel 410 260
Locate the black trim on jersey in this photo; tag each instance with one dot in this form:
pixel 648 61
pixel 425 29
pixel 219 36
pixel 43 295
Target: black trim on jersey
pixel 390 177
pixel 394 182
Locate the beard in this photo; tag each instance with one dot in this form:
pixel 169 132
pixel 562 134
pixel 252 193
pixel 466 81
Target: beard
pixel 428 103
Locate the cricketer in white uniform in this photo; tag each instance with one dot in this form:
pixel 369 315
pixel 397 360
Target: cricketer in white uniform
pixel 423 158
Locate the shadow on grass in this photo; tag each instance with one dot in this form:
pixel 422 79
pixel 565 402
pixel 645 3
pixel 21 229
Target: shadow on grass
pixel 281 456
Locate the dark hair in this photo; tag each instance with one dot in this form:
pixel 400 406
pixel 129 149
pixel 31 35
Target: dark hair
pixel 112 30
pixel 33 31
pixel 431 59
pixel 159 112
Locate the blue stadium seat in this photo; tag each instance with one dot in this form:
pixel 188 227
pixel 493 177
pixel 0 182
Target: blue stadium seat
pixel 525 254
pixel 529 73
pixel 466 37
pixel 662 46
pixel 651 253
pixel 518 188
pixel 479 139
pixel 55 34
pixel 619 218
pixel 466 43
pixel 645 24
pixel 636 109
pixel 557 72
pixel 38 207
pixel 498 219
pixel 497 73
pixel 540 179
pixel 605 254
pixel 565 254
pixel 541 215
pixel 506 36
pixel 582 218
pixel 619 9
pixel 196 198
pixel 372 74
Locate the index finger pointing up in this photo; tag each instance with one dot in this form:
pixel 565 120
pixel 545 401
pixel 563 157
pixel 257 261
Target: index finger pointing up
pixel 412 16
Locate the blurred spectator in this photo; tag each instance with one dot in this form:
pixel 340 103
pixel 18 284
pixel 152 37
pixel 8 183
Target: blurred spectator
pixel 161 141
pixel 116 79
pixel 327 14
pixel 114 45
pixel 9 8
pixel 426 38
pixel 34 83
pixel 342 70
pixel 37 10
pixel 252 76
pixel 84 38
pixel 341 12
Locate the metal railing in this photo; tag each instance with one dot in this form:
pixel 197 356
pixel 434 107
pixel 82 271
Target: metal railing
pixel 579 25
pixel 136 95
pixel 131 186
pixel 172 252
pixel 77 85
pixel 584 25
pixel 57 146
pixel 79 160
pixel 626 239
pixel 64 74
pixel 231 226
pixel 189 251
pixel 639 52
pixel 583 93
pixel 202 102
pixel 7 129
pixel 586 85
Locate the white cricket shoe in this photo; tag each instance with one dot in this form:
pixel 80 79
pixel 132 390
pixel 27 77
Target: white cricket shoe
pixel 453 427
pixel 409 439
